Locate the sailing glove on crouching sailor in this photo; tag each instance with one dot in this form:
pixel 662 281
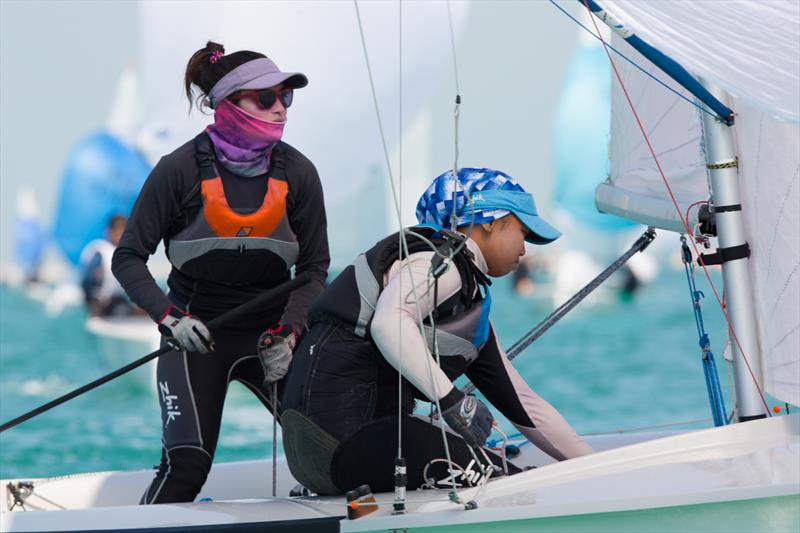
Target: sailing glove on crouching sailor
pixel 470 418
pixel 275 351
pixel 189 332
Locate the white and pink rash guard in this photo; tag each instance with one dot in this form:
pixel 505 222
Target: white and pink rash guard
pixel 395 330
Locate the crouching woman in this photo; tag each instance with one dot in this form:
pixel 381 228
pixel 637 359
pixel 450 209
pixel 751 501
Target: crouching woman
pixel 357 373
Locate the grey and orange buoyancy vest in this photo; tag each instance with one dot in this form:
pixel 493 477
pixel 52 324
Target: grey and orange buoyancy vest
pixel 461 321
pixel 232 246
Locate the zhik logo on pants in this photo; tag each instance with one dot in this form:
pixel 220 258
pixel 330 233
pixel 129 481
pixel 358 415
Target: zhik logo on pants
pixel 170 402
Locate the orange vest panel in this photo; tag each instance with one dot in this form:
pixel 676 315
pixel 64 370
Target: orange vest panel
pixel 225 222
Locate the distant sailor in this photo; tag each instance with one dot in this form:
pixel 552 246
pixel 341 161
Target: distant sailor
pixel 102 292
pixel 341 401
pixel 237 208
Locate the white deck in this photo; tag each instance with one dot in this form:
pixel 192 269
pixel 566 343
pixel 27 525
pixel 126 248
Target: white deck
pixel 754 460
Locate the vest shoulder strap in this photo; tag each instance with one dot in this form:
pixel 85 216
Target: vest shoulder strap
pixel 278 162
pixel 204 151
pixel 471 275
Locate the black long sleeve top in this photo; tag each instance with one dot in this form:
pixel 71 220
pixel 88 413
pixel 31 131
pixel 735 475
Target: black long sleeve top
pixel 170 200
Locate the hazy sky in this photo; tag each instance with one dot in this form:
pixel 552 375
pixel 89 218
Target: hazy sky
pixel 59 65
pixel 60 62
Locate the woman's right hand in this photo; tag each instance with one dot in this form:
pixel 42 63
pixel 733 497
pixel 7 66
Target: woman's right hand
pixel 471 419
pixel 191 334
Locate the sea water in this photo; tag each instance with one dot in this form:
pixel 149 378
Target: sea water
pixel 607 366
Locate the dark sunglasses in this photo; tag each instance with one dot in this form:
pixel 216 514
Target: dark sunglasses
pixel 266 97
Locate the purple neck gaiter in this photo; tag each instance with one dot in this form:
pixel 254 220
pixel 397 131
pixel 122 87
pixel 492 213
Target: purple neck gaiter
pixel 242 142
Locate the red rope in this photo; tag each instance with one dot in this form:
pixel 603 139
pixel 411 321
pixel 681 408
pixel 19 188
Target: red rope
pixel 678 209
pixel 689 209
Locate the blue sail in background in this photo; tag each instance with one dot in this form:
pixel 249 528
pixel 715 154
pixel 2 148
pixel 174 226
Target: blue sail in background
pixel 29 241
pixel 580 137
pixel 102 178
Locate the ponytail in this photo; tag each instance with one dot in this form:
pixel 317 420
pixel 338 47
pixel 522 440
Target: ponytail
pixel 197 71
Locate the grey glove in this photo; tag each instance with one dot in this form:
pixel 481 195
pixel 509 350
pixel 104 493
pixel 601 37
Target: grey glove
pixel 189 332
pixel 471 419
pixel 275 352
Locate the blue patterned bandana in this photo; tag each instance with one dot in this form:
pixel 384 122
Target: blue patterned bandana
pixel 482 195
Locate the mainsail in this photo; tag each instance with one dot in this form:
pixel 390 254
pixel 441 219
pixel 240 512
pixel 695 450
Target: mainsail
pixel 749 49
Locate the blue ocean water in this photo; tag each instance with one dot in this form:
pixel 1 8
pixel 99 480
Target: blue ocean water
pixel 606 366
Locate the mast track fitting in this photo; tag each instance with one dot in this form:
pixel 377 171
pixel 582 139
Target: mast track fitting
pixel 731 163
pixel 706 217
pixel 707 222
pixel 727 208
pixel 723 255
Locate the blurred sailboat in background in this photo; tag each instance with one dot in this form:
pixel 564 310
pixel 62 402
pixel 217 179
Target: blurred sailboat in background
pixel 581 133
pixel 101 177
pixel 29 235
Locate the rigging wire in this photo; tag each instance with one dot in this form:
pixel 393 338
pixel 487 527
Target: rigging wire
pixel 399 504
pixel 680 213
pixel 456 114
pixel 400 478
pixel 402 237
pixel 709 365
pixel 453 45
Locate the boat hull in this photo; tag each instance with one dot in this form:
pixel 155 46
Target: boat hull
pixel 780 513
pixel 743 477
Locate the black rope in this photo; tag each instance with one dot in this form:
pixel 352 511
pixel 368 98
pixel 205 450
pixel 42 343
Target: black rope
pixel 253 304
pixel 529 338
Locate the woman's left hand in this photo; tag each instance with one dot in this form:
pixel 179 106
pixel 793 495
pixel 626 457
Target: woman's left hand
pixel 275 352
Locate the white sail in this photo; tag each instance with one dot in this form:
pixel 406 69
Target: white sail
pixel 769 164
pixel 634 188
pixel 749 49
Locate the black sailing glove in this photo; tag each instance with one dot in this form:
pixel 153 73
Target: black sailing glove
pixel 471 419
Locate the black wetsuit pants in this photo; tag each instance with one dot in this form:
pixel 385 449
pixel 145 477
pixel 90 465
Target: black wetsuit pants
pixel 191 392
pixel 340 421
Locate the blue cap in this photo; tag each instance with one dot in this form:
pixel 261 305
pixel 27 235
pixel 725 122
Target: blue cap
pixel 492 195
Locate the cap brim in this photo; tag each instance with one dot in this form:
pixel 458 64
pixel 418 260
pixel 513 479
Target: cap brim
pixel 294 80
pixel 540 232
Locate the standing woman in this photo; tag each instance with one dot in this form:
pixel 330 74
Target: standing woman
pixel 236 208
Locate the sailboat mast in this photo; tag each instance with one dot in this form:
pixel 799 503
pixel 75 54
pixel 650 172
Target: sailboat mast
pixel 733 248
